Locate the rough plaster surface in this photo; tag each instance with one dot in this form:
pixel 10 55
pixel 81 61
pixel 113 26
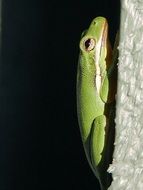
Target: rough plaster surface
pixel 127 166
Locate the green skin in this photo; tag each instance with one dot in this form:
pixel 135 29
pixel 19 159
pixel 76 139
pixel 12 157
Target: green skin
pixel 96 89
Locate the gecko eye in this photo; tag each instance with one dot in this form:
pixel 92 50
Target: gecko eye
pixel 89 44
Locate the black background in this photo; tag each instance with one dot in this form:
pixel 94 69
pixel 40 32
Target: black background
pixel 40 145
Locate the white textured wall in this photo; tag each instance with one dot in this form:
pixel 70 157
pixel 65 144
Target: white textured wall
pixel 127 166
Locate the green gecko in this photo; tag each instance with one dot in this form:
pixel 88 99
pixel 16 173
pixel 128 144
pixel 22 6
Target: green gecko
pixel 96 89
